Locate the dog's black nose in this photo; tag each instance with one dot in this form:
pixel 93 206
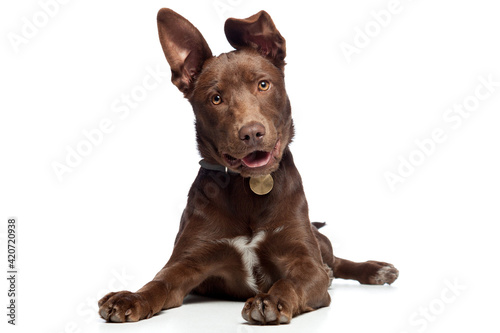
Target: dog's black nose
pixel 252 133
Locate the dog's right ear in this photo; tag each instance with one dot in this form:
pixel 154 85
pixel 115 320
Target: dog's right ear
pixel 185 48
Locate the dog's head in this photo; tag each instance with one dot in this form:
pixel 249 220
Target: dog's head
pixel 243 115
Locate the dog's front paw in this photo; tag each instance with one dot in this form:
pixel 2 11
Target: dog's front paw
pixel 265 309
pixel 385 273
pixel 124 306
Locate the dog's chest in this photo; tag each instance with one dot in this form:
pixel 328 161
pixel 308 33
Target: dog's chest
pixel 248 247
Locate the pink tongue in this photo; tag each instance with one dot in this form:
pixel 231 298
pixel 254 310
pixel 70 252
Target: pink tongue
pixel 257 159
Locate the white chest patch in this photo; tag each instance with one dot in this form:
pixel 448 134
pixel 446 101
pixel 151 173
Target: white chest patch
pixel 246 247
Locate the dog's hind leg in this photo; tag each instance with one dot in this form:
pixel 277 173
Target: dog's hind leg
pixel 325 247
pixel 369 272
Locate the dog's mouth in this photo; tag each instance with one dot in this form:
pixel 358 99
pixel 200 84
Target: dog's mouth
pixel 254 160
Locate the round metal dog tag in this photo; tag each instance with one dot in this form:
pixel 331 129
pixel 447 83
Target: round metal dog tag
pixel 261 185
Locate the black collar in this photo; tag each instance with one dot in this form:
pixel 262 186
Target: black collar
pixel 259 185
pixel 216 167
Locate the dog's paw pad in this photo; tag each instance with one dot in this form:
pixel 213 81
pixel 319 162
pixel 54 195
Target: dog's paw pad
pixel 123 306
pixel 265 309
pixel 387 273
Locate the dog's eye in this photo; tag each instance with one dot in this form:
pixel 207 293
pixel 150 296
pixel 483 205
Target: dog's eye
pixel 216 99
pixel 264 85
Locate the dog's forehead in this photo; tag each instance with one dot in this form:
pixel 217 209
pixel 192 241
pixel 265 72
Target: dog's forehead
pixel 238 66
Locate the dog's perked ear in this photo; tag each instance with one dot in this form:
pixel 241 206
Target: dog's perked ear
pixel 185 48
pixel 258 32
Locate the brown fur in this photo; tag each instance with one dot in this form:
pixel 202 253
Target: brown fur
pixel 295 261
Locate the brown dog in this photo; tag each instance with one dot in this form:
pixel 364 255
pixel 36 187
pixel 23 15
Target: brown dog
pixel 245 233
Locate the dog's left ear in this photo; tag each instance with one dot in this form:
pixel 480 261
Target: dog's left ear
pixel 258 32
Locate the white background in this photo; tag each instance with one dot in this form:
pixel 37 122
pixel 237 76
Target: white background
pixel 111 222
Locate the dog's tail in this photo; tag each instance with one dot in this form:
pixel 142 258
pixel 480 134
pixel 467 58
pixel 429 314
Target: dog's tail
pixel 318 225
